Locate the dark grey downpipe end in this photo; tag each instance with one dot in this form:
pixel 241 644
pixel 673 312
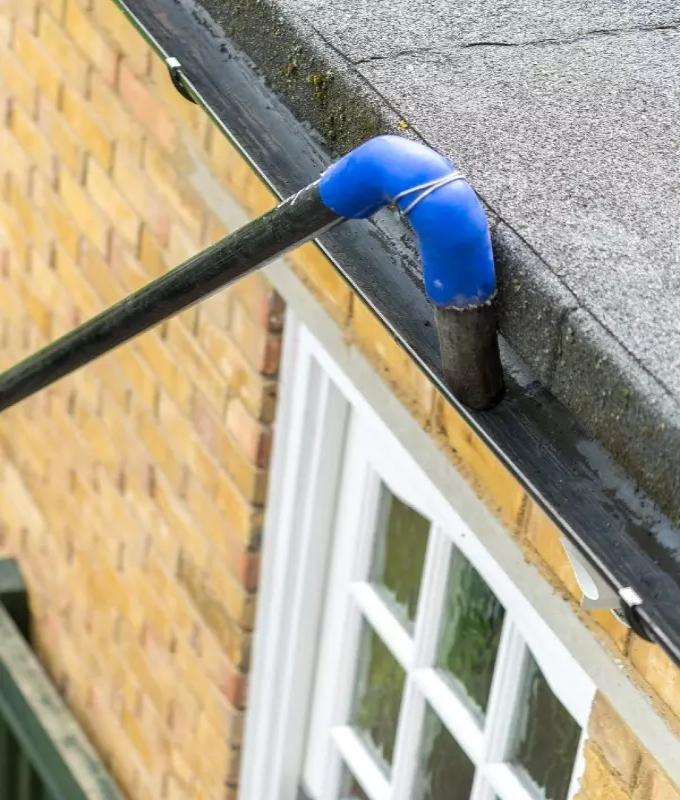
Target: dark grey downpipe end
pixel 468 341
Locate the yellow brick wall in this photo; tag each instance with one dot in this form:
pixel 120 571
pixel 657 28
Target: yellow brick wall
pixel 132 492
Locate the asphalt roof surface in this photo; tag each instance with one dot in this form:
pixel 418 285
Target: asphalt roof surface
pixel 564 116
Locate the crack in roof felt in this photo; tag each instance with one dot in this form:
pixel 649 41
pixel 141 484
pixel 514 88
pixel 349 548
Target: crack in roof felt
pixel 587 35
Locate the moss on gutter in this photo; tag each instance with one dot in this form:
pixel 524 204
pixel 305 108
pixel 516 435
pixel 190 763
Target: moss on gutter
pixel 290 62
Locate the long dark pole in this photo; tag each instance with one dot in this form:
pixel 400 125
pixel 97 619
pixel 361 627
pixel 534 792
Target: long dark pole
pixel 292 222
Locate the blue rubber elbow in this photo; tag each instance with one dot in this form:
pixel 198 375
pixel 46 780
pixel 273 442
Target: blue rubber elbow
pixel 449 222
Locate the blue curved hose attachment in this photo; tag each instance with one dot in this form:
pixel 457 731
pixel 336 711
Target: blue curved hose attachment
pixel 449 221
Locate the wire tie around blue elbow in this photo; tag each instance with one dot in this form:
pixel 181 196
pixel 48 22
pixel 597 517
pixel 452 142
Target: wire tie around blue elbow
pixel 426 189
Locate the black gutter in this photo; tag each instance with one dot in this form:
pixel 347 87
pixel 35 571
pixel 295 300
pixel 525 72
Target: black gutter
pixel 617 528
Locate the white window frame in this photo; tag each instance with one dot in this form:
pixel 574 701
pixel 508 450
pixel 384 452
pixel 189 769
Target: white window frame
pixel 320 410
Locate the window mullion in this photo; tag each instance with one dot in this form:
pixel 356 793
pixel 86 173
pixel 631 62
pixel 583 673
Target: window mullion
pixel 430 607
pixel 505 693
pixel 408 740
pixel 426 631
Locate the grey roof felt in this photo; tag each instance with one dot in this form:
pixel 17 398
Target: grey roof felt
pixel 565 116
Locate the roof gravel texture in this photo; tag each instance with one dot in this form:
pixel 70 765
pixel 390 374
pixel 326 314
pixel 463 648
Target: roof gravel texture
pixel 564 117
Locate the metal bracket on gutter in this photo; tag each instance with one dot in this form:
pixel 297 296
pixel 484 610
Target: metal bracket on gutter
pixel 614 528
pixel 178 78
pixel 598 594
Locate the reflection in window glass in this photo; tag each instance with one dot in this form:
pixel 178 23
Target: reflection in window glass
pixel 444 772
pixel 471 630
pixel 547 737
pixel 350 788
pixel 380 682
pixel 399 555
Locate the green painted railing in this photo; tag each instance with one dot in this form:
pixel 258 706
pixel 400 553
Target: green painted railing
pixel 44 754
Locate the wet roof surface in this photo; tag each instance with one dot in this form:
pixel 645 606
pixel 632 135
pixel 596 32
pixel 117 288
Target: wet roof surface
pixel 564 117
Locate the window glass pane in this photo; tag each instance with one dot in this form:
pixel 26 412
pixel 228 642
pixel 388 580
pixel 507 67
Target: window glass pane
pixel 380 682
pixel 547 737
pixel 350 788
pixel 399 554
pixel 444 772
pixel 471 630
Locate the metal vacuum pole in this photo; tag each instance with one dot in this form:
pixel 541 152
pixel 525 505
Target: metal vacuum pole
pixel 441 207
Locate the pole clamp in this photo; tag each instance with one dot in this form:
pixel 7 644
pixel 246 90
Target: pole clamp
pixel 178 78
